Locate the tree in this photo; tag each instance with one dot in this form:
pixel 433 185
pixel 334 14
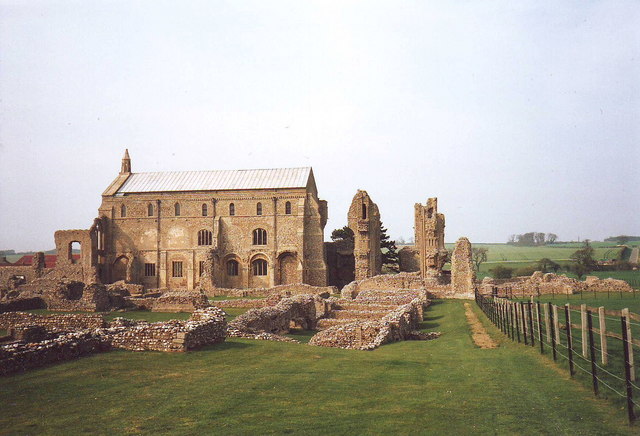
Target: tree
pixel 479 255
pixel 583 261
pixel 343 234
pixel 546 265
pixel 622 239
pixel 538 238
pixel 551 238
pixel 389 250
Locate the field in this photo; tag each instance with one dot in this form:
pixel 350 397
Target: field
pixel 515 257
pixel 444 386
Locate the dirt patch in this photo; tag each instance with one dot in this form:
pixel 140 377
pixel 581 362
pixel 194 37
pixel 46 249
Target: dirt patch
pixel 478 333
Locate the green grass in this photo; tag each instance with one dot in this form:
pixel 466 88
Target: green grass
pixel 444 386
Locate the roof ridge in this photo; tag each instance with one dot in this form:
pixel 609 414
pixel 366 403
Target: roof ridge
pixel 209 171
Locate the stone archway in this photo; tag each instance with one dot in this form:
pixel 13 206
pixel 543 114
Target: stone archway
pixel 288 269
pixel 119 269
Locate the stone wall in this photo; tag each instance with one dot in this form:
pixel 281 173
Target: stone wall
pixel 463 275
pixel 57 322
pixel 285 290
pixel 539 284
pixel 180 301
pixel 250 303
pixel 399 324
pixel 409 259
pixel 300 311
pixel 204 327
pixel 387 282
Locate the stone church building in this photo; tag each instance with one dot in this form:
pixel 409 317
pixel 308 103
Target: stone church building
pixel 228 229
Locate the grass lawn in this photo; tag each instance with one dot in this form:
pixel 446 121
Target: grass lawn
pixel 444 386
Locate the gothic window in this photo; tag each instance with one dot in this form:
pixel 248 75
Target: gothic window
pixel 176 209
pixel 205 210
pixel 287 208
pixel 259 208
pixel 150 209
pixel 259 267
pixel 259 237
pixel 123 211
pixel 232 268
pixel 232 209
pixel 204 237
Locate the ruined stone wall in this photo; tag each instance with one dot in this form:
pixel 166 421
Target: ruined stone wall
pixel 400 324
pixel 364 221
pixel 387 282
pixel 463 275
pixel 9 273
pixel 54 343
pixel 57 322
pixel 180 301
pixel 242 303
pixel 409 259
pixel 299 310
pixel 341 263
pixel 429 237
pixel 539 284
pixel 287 290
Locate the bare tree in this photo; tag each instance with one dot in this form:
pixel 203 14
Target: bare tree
pixel 479 255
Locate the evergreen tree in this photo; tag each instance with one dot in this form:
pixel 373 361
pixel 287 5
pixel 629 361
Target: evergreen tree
pixel 389 250
pixel 343 234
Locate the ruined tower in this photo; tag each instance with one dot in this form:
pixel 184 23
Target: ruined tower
pixel 364 221
pixel 429 237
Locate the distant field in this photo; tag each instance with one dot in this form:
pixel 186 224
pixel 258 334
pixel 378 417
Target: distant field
pixel 514 253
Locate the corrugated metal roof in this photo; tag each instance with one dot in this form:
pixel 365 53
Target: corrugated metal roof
pixel 219 180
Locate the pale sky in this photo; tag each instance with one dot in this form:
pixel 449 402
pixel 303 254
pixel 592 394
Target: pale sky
pixel 519 116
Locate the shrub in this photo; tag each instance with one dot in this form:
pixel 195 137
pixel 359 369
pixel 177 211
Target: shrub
pixel 501 272
pixel 526 270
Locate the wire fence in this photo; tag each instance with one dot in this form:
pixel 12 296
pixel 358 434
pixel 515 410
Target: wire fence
pixel 596 344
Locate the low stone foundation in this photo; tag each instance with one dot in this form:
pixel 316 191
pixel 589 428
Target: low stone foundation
pixel 40 339
pixel 180 301
pixel 283 290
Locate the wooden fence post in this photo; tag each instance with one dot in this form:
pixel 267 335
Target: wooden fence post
pixel 629 344
pixel 627 371
pixel 540 328
pixel 592 354
pixel 524 323
pixel 533 341
pixel 556 323
pixel 583 326
pixel 547 327
pixel 567 318
pixel 552 334
pixel 603 335
pixel 515 310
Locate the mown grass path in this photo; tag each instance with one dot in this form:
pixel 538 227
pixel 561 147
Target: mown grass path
pixel 444 386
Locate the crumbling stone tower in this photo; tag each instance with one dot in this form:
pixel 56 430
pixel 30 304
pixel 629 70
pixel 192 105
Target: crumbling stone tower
pixel 364 221
pixel 429 237
pixel 463 276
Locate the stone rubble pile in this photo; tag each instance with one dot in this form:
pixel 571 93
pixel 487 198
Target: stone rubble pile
pixel 540 283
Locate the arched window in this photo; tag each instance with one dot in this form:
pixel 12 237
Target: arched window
pixel 176 209
pixel 287 208
pixel 205 210
pixel 150 209
pixel 204 237
pixel 123 211
pixel 259 267
pixel 259 208
pixel 232 209
pixel 364 211
pixel 259 237
pixel 232 267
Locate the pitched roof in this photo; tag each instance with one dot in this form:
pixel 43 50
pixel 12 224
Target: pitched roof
pixel 219 180
pixel 49 260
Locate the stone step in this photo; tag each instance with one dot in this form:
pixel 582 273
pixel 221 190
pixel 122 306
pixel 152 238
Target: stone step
pixel 354 305
pixel 325 323
pixel 358 314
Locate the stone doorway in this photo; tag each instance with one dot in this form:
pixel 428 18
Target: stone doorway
pixel 119 270
pixel 288 269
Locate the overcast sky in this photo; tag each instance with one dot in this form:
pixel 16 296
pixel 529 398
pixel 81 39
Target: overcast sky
pixel 518 116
